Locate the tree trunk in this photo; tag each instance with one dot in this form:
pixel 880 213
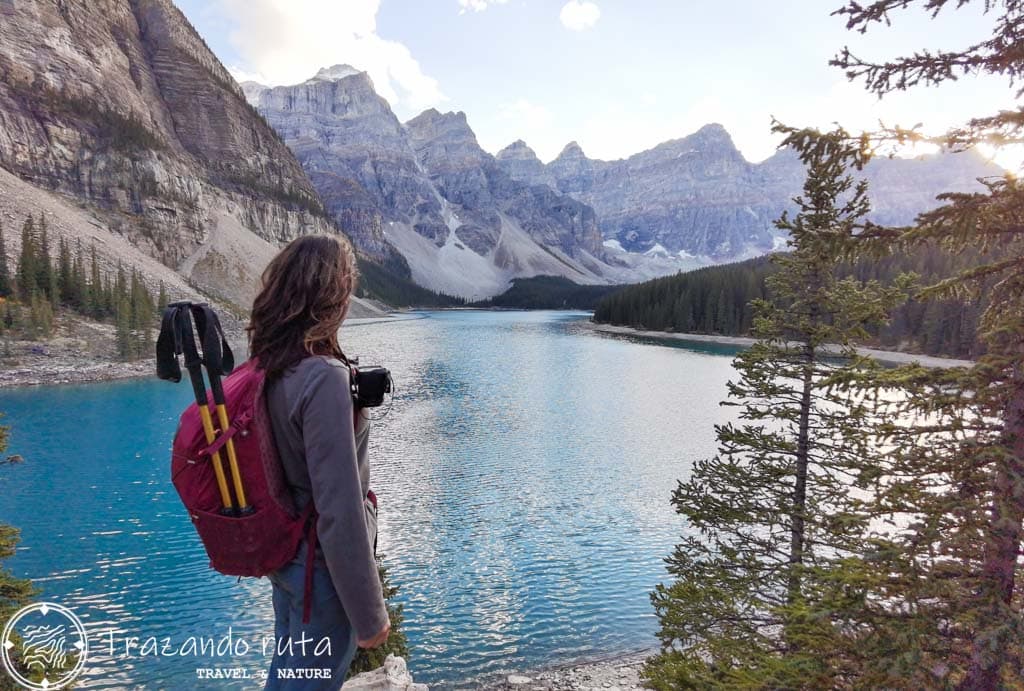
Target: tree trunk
pixel 1005 533
pixel 803 446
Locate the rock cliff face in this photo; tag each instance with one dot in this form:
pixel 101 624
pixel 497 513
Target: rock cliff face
pixel 521 163
pixel 698 197
pixel 468 176
pixel 426 190
pixel 694 196
pixel 120 104
pixel 356 152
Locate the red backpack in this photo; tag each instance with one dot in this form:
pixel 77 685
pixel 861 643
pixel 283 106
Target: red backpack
pixel 266 536
pixel 243 511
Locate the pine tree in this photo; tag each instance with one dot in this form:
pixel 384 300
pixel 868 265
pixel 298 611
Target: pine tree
pixel 760 596
pixel 113 289
pixel 77 288
pixel 65 273
pixel 27 266
pixel 97 303
pixel 142 315
pixel 397 644
pixel 45 274
pixel 125 342
pixel 962 471
pixel 6 288
pixel 8 322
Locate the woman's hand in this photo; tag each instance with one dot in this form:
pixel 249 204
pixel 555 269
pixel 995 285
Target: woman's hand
pixel 378 640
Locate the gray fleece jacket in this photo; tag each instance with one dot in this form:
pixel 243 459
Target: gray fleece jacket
pixel 311 414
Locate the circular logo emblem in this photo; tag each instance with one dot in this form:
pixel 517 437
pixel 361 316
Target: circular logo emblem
pixel 44 646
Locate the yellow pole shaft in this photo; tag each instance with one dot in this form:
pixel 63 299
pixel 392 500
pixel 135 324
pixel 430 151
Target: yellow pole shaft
pixel 218 467
pixel 236 476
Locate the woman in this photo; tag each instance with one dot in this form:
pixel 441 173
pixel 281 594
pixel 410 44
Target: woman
pixel 293 335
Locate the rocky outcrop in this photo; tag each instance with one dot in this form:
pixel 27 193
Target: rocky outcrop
pixel 694 196
pixel 468 176
pixel 391 676
pixel 618 673
pixel 521 163
pixel 427 192
pixel 120 104
pixel 357 154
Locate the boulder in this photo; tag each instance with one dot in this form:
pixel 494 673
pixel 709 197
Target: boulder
pixel 392 676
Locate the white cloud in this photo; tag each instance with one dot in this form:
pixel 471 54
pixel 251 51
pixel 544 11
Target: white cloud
pixel 579 15
pixel 288 41
pixel 477 5
pixel 241 75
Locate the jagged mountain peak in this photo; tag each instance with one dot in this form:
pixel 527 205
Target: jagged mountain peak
pixel 452 128
pixel 335 72
pixel 713 129
pixel 571 150
pixel 712 138
pixel 712 135
pixel 517 150
pixel 433 115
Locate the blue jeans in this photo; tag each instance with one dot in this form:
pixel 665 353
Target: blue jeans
pixel 322 663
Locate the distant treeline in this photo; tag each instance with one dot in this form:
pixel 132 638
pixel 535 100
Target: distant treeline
pixel 391 285
pixel 548 293
pixel 715 300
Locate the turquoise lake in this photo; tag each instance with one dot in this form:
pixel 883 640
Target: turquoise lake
pixel 524 475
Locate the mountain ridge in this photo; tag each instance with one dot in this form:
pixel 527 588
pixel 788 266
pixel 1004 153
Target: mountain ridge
pixel 421 192
pixel 120 105
pixel 426 195
pixel 698 196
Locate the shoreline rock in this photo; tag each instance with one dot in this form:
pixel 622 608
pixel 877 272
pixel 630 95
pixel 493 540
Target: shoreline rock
pixel 393 675
pixel 75 373
pixel 618 673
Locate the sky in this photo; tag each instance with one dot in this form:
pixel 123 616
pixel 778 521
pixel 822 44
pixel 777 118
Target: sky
pixel 616 76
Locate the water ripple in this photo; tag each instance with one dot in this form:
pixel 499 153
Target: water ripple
pixel 524 476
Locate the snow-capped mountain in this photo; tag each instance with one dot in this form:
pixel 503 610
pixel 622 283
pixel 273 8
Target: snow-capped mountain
pixel 426 196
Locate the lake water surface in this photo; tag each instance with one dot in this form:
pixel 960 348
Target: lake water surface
pixel 524 475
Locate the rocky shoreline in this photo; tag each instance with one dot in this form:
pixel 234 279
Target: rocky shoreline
pixel 74 372
pixel 887 356
pixel 72 356
pixel 617 673
pixel 80 351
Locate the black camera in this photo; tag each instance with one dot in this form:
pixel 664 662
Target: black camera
pixel 369 385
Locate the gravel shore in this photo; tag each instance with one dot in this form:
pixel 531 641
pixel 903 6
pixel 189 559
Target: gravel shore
pixel 617 673
pixel 888 356
pixel 82 351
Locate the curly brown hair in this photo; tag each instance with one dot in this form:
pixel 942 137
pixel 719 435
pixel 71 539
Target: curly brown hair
pixel 302 302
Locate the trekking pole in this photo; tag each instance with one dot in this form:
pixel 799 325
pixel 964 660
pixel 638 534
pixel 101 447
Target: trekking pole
pixel 218 358
pixel 176 338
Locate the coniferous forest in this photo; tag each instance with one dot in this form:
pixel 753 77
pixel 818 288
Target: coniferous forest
pixel 47 279
pixel 861 526
pixel 717 300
